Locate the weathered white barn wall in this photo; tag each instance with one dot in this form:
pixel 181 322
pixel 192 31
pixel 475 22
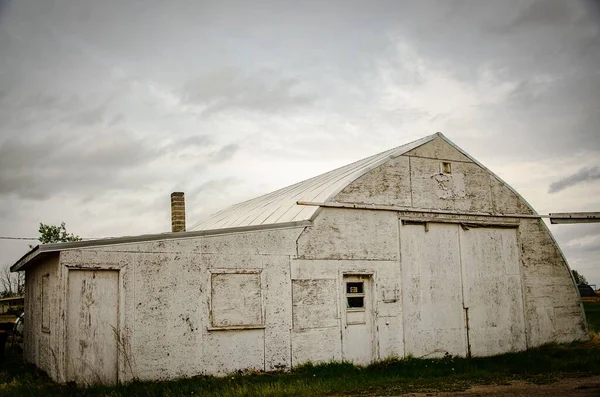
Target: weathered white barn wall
pixel 552 306
pixel 506 201
pixel 345 242
pixel 276 298
pixel 43 341
pixel 343 234
pixel 467 188
pixel 388 184
pixel 319 307
pixel 552 303
pixel 165 302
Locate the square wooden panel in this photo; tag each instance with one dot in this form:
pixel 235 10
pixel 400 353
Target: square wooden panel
pixel 236 299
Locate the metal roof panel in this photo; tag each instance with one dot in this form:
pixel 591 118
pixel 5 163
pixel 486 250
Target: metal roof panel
pixel 281 205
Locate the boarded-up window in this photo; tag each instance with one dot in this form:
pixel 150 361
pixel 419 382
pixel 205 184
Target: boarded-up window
pixel 236 299
pixel 314 303
pixel 46 303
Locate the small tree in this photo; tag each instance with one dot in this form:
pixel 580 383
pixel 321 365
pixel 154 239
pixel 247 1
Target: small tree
pixel 579 278
pixel 12 284
pixel 55 234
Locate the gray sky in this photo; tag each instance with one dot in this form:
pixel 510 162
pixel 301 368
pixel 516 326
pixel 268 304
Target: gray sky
pixel 108 106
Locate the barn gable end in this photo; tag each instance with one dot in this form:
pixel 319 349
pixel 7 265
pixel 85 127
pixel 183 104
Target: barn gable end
pixel 417 179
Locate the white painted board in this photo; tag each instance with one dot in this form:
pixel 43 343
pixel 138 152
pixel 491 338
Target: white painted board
pixel 92 319
pixel 432 294
pixel 493 290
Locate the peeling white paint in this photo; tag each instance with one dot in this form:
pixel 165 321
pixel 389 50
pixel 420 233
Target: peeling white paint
pixel 92 323
pixel 450 186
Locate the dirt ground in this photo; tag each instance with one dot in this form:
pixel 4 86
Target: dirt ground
pixel 580 387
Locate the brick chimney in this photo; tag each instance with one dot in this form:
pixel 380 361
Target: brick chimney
pixel 177 212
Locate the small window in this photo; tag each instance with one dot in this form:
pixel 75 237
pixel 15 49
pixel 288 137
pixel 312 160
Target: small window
pixel 355 295
pixel 354 288
pixel 356 302
pixel 446 168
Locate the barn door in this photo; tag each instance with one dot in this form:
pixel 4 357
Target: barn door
pixel 434 319
pixel 492 290
pixel 92 319
pixel 462 290
pixel 358 337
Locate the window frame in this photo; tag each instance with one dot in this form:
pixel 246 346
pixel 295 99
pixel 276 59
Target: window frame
pixel 446 167
pixel 355 295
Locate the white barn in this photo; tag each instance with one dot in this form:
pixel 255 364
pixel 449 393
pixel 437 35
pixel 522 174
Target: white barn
pixel 419 250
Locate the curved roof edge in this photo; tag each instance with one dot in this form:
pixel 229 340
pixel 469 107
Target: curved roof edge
pixel 281 205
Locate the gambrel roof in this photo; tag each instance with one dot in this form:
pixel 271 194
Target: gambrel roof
pixel 281 205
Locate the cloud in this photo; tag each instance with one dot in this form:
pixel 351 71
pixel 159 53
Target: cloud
pixel 214 186
pixel 581 245
pixel 588 243
pixel 200 141
pixel 91 116
pixel 229 88
pixel 544 13
pixel 225 153
pixel 585 174
pixel 43 168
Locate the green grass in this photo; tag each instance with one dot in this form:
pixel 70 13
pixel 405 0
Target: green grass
pixel 592 312
pixel 392 377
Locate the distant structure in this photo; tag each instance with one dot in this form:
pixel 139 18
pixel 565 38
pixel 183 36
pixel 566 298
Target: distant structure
pixel 419 250
pixel 586 291
pixel 11 305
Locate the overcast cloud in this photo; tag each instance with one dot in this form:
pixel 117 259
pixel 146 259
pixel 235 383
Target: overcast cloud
pixel 108 106
pixel 583 175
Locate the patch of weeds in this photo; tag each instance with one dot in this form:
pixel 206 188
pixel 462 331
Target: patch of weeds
pixel 592 312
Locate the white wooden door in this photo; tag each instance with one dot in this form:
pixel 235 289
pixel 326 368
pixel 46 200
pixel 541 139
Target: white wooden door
pixel 434 318
pixel 462 291
pixel 92 321
pixel 492 290
pixel 358 338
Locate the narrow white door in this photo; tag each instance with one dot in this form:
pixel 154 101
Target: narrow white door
pixel 92 321
pixel 434 317
pixel 492 290
pixel 358 340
